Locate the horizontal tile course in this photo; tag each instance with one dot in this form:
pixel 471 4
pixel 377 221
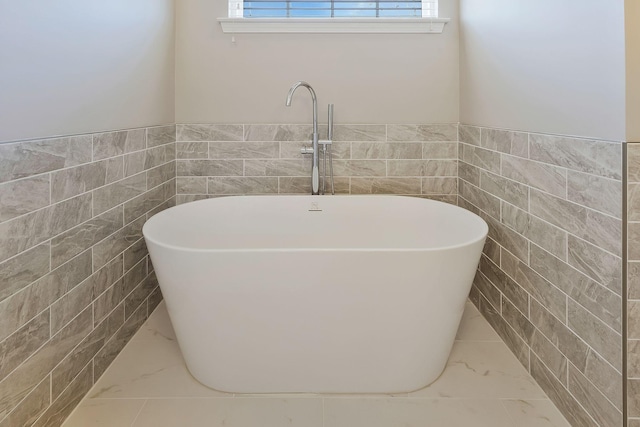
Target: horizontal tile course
pixel 31 407
pixel 595 333
pixel 480 157
pixel 22 306
pixel 197 132
pixel 601 194
pixel 545 177
pixel 23 159
pixel 600 301
pixel 48 262
pixel 23 343
pixel 24 196
pixel 599 229
pixel 421 168
pixel 507 190
pixel 24 379
pixel 34 228
pixel 436 132
pixel 582 155
pixel 600 408
pixel 74 241
pixel 242 185
pixel 160 135
pixel 568 261
pixel 80 179
pixel 209 167
pixel 244 150
pixel 24 269
pixel 386 186
pixel 504 141
pixel 551 238
pixel 119 192
pixel 111 144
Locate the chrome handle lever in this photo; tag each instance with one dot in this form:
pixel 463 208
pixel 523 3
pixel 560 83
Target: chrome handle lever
pixel 306 150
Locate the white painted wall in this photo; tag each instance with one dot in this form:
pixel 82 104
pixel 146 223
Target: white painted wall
pixel 74 66
pixel 544 66
pixel 371 78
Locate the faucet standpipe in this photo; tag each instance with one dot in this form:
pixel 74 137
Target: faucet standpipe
pixel 314 149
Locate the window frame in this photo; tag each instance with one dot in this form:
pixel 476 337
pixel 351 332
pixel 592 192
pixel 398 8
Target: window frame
pixel 236 23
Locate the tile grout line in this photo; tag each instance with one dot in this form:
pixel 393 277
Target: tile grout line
pixel 135 419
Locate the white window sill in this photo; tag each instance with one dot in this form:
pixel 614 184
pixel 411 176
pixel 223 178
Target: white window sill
pixel 333 25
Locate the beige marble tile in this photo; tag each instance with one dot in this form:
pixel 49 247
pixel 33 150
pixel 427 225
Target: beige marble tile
pixel 415 412
pixel 516 143
pixel 148 368
pixel 439 150
pixel 359 133
pixel 277 133
pixel 479 198
pixel 31 407
pixel 484 159
pixel 112 144
pixel 242 185
pixel 28 158
pixel 469 134
pixel 548 178
pixel 601 194
pixel 567 404
pixel 159 135
pixel 158 326
pixel 23 232
pixel 385 186
pixel 207 132
pixel 594 227
pixel 596 157
pixel 164 173
pixel 105 413
pixel 218 412
pixel 505 189
pixel 22 270
pixel 437 132
pixel 473 327
pixel 482 370
pixel 24 196
pixel 69 399
pixel 534 413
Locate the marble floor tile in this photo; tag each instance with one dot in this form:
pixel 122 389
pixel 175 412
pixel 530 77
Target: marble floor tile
pixel 534 413
pixel 415 412
pixel 482 370
pixel 219 412
pixel 157 326
pixel 473 327
pixel 105 413
pixel 150 366
pixel 483 385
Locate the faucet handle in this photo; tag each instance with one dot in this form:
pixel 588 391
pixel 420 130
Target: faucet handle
pixel 306 150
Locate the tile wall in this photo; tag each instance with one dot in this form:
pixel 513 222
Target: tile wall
pixel 550 278
pixel 633 283
pixel 77 282
pixel 418 160
pixel 75 279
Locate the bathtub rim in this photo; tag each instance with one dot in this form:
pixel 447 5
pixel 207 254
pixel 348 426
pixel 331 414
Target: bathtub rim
pixel 482 235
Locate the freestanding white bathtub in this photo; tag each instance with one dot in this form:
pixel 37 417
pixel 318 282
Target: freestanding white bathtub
pixel 340 294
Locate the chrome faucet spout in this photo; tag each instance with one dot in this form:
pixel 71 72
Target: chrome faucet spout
pixel 315 171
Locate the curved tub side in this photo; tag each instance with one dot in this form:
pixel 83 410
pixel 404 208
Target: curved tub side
pixel 316 321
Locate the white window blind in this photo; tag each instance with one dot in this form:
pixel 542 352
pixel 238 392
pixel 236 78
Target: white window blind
pixel 333 9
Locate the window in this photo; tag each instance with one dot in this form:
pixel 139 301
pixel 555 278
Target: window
pixel 333 16
pixel 333 9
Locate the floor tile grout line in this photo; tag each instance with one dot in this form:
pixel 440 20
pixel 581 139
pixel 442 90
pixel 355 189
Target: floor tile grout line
pixel 135 419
